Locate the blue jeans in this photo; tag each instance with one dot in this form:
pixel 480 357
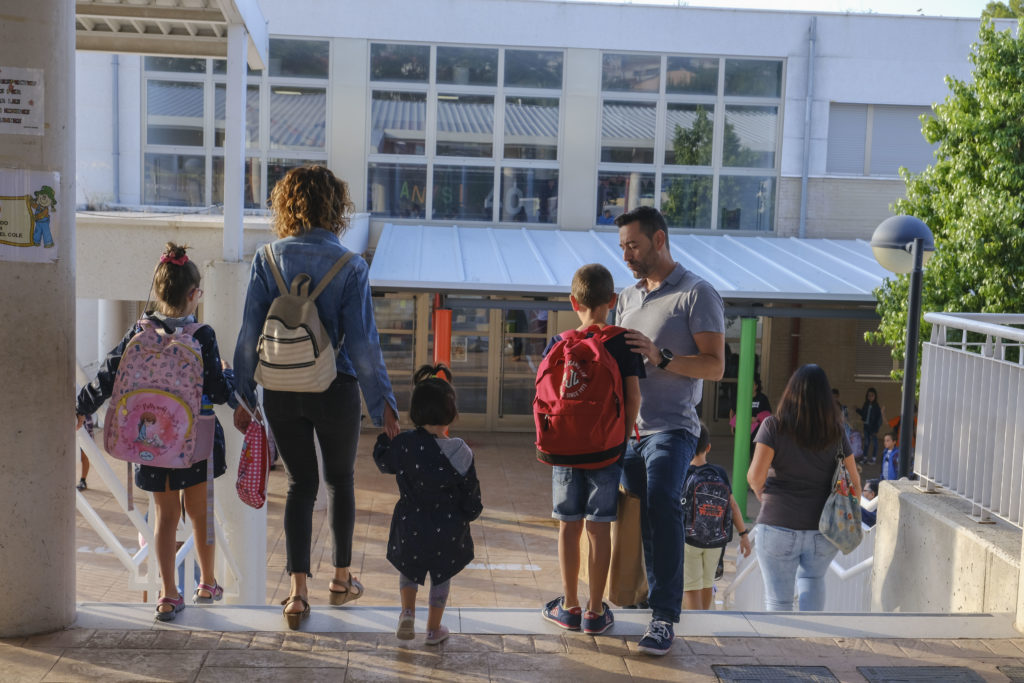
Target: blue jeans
pixel 788 555
pixel 870 445
pixel 586 494
pixel 654 468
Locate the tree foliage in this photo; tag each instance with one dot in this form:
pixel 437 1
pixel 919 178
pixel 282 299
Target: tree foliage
pixel 1002 10
pixel 972 196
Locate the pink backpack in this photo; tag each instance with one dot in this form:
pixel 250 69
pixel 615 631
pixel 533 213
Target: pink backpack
pixel 153 417
pixel 579 411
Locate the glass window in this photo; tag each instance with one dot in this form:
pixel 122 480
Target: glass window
pixel 847 139
pixel 252 115
pixel 746 203
pixel 175 65
pixel 692 75
pixel 686 200
pixel 689 134
pixel 618 193
pixel 463 193
pixel 467 65
pixel 395 62
pixel 533 69
pixel 250 189
pixel 531 128
pixel 174 180
pixel 398 122
pixel 529 195
pixel 631 73
pixel 750 136
pixel 393 313
pixel 627 132
pixel 298 118
pixel 465 125
pixel 299 58
pixel 753 77
pixel 397 190
pixel 174 113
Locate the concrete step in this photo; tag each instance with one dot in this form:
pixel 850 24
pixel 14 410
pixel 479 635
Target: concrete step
pixel 508 621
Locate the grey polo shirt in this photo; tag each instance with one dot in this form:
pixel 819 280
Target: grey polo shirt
pixel 684 304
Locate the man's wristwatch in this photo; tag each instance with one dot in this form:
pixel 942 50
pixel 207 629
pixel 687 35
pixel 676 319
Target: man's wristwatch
pixel 666 358
pixel 744 532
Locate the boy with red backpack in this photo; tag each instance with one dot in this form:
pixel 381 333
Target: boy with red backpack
pixel 588 397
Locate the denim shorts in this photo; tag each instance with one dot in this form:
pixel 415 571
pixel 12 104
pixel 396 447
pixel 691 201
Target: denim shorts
pixel 586 494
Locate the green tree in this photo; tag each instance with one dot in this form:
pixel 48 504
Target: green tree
pixel 1002 10
pixel 972 196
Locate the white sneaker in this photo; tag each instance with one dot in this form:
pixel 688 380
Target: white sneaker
pixel 406 625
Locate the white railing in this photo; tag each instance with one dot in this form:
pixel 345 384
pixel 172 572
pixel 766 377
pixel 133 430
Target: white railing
pixel 143 573
pixel 970 429
pixel 847 582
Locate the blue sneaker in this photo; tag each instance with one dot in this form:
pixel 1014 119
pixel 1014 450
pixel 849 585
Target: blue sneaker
pixel 658 638
pixel 556 613
pixel 594 623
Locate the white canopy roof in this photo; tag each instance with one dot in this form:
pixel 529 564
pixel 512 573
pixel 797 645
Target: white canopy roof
pixel 541 262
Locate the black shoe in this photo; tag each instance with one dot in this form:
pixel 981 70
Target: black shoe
pixel 82 485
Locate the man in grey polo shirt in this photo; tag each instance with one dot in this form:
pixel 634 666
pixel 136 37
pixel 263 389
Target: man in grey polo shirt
pixel 677 321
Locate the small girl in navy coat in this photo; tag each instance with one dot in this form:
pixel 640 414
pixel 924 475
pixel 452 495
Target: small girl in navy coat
pixel 439 496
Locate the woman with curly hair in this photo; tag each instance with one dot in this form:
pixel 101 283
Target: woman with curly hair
pixel 310 208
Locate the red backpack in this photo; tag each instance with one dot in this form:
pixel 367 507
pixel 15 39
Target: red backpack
pixel 579 410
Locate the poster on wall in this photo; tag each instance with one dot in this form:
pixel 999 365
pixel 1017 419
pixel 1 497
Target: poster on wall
pixel 30 210
pixel 21 101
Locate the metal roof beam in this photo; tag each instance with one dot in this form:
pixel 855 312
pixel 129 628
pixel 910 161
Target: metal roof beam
pixel 152 44
pixel 151 12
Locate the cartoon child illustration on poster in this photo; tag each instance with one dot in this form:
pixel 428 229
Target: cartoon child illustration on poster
pixel 43 201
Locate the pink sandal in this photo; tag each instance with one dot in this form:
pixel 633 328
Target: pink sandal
pixel 216 593
pixel 177 604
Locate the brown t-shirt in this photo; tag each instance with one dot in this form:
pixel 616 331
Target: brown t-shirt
pixel 799 480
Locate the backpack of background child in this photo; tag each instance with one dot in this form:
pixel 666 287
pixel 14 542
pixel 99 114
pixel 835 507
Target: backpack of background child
pixel 153 417
pixel 707 514
pixel 578 410
pixel 294 350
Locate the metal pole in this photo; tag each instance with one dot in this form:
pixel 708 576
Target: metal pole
pixel 744 393
pixel 910 360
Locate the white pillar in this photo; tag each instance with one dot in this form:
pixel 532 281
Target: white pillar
pixel 234 142
pixel 37 449
pixel 245 528
pixel 111 322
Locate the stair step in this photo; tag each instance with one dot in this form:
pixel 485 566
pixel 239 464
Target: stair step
pixel 518 621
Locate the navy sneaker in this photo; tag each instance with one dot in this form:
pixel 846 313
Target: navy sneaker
pixel 594 623
pixel 556 613
pixel 658 638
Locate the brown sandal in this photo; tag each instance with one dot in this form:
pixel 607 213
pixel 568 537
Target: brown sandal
pixel 353 591
pixel 295 617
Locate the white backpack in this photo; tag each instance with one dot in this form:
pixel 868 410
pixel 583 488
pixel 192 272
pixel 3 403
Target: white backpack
pixel 294 350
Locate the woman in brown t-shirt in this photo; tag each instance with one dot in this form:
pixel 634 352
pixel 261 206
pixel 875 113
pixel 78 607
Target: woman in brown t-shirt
pixel 791 474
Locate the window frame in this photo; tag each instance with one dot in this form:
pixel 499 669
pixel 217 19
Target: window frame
pixel 718 102
pixel 430 159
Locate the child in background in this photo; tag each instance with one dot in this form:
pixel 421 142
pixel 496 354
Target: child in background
pixel 176 287
pixel 871 414
pixel 700 564
pixel 439 496
pixel 592 494
pixel 90 426
pixel 870 492
pixel 890 459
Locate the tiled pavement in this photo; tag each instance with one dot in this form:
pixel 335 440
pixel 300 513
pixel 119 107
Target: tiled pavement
pixel 516 567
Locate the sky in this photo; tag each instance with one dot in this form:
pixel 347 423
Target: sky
pixel 947 8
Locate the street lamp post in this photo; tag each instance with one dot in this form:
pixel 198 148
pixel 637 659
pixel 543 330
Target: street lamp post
pixel 902 244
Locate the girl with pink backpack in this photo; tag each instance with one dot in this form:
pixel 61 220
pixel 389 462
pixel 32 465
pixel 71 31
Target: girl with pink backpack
pixel 162 380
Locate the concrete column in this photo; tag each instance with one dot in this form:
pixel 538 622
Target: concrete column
pixel 577 189
pixel 246 529
pixel 37 463
pixel 234 142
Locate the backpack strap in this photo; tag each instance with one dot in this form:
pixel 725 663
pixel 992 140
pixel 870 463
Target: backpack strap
pixel 281 286
pixel 335 269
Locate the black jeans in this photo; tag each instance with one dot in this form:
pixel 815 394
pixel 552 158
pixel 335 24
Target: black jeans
pixel 333 416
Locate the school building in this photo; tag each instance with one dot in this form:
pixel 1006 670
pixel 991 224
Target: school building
pixel 488 147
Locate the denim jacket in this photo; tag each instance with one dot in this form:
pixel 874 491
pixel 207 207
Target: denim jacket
pixel 345 308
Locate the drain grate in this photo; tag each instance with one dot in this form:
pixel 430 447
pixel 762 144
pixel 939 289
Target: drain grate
pixel 815 674
pixel 932 674
pixel 1014 673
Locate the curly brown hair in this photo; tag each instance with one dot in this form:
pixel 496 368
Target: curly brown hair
pixel 173 282
pixel 310 197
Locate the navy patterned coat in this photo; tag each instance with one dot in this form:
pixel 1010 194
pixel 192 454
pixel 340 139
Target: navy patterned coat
pixel 430 524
